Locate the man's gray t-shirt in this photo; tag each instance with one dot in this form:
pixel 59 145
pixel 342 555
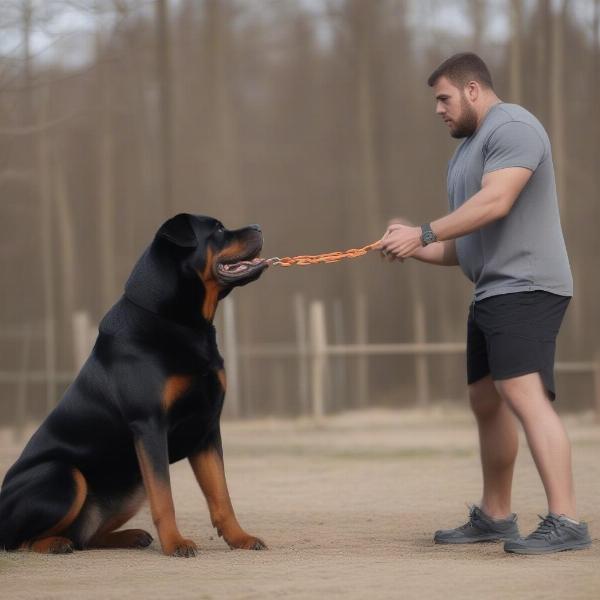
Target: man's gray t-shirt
pixel 525 250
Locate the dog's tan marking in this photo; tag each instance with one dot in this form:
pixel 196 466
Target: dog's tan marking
pixel 175 387
pixel 210 474
pixel 211 286
pixel 222 379
pixel 232 251
pixel 160 498
pixel 49 541
pixel 49 545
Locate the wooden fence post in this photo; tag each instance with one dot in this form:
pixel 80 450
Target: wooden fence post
pixel 302 350
pixel 362 368
pixel 83 337
pixel 597 386
pixel 338 395
pixel 318 347
pixel 21 413
pixel 230 354
pixel 421 358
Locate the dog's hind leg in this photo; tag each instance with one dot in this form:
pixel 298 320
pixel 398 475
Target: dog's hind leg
pixel 107 537
pixel 44 506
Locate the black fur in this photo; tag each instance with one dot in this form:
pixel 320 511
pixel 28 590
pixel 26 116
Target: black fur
pixel 155 330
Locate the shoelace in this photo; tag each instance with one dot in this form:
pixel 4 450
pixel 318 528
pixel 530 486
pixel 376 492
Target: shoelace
pixel 546 528
pixel 474 517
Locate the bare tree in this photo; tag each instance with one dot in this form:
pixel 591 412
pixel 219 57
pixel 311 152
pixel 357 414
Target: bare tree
pixel 516 59
pixel 222 130
pixel 557 86
pixel 477 10
pixel 165 143
pixel 106 183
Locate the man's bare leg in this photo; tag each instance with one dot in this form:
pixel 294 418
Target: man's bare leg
pixel 498 442
pixel 546 436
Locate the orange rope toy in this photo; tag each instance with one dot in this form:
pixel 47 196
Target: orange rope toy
pixel 313 259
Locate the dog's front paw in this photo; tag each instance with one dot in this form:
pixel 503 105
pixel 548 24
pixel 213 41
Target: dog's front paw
pixel 182 548
pixel 247 542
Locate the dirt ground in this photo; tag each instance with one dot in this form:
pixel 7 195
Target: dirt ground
pixel 348 510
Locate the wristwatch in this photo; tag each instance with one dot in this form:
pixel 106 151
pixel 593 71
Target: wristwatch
pixel 427 235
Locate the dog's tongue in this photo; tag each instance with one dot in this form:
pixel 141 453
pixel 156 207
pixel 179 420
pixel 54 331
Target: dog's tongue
pixel 243 265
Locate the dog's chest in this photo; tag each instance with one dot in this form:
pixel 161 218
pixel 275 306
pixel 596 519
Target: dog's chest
pixel 193 396
pixel 193 418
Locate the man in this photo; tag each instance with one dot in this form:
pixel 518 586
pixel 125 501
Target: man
pixel 504 231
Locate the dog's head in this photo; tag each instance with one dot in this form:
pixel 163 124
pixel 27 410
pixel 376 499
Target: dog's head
pixel 195 260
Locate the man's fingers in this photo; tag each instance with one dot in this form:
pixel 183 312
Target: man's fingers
pixel 402 249
pixel 390 257
pixel 400 221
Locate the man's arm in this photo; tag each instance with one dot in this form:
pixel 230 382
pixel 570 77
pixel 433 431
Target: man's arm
pixel 499 191
pixel 438 253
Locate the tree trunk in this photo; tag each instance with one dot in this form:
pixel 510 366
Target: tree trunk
pixel 362 24
pixel 516 23
pixel 66 239
pixel 165 141
pixel 542 50
pixel 223 157
pixel 106 185
pixel 47 245
pixel 477 10
pixel 557 89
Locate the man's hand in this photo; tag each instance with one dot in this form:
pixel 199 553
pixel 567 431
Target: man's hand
pixel 400 241
pixel 385 253
pixel 401 231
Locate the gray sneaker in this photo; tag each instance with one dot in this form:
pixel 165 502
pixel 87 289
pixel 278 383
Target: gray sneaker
pixel 479 528
pixel 554 534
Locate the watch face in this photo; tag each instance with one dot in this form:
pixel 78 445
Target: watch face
pixel 429 237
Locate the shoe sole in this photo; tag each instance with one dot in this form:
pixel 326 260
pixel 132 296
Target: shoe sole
pixel 561 548
pixel 478 540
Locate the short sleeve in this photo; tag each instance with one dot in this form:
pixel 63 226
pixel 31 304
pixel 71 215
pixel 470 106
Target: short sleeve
pixel 513 144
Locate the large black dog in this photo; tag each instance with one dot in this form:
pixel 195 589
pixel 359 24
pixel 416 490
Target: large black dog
pixel 150 394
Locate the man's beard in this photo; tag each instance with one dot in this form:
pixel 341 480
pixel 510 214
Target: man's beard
pixel 466 125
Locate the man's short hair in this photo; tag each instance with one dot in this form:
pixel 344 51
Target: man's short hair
pixel 462 68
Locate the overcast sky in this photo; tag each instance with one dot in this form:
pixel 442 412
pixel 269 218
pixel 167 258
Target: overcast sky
pixel 67 36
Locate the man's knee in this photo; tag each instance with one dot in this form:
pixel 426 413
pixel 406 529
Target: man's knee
pixel 484 398
pixel 524 393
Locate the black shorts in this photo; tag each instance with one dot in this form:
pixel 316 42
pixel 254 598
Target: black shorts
pixel 514 334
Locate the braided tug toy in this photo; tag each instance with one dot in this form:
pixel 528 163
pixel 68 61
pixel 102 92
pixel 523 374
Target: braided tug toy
pixel 313 259
pixel 301 261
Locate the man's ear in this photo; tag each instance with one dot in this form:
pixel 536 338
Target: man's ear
pixel 472 90
pixel 178 230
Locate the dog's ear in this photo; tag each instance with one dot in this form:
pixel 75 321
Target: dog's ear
pixel 178 230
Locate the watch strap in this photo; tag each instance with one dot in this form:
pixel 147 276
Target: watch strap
pixel 427 234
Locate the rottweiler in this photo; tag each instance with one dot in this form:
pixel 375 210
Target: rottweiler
pixel 150 394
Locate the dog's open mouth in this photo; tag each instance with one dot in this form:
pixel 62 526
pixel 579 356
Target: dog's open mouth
pixel 238 268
